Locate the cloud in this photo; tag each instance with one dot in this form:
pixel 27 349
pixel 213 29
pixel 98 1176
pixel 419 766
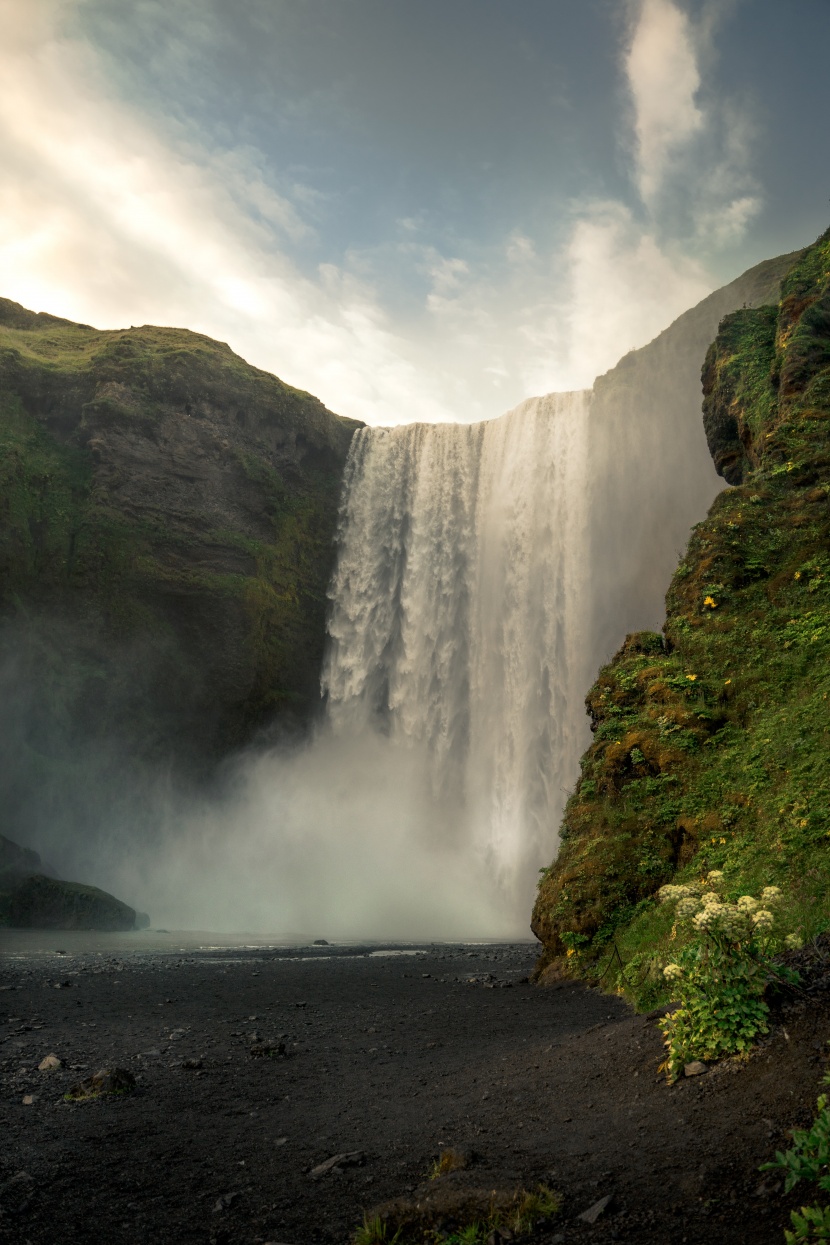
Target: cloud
pixel 662 72
pixel 102 221
pixel 107 218
pixel 623 289
pixel 691 148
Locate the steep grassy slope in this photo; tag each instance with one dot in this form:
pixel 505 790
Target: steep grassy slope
pixel 166 525
pixel 712 743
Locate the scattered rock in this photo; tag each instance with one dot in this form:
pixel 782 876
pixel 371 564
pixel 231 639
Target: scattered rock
pixel 320 942
pixel 16 1194
pixel 695 1068
pixel 225 1201
pixel 105 1081
pixel 191 1064
pixel 50 1064
pixel 353 1158
pixel 592 1214
pixel 28 1100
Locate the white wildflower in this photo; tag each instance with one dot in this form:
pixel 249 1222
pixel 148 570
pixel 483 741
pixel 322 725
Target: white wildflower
pixel 707 917
pixel 763 919
pixel 771 894
pixel 747 904
pixel 668 894
pixel 714 877
pixel 671 893
pixel 710 897
pixel 672 971
pixel 687 907
pixel 794 942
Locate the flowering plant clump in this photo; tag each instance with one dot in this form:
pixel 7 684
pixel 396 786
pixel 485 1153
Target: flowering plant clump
pixel 720 976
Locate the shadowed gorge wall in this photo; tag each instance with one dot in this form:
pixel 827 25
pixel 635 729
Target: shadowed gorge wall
pixel 711 745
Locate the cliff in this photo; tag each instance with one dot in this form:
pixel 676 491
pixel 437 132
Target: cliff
pixel 651 474
pixel 711 747
pixel 167 515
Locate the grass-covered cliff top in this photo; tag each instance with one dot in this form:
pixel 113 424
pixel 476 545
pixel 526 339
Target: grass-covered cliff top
pixel 712 742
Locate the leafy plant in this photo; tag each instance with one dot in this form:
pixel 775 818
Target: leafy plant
pixel 808 1158
pixel 374 1232
pixel 720 976
pixel 473 1234
pixel 812 1224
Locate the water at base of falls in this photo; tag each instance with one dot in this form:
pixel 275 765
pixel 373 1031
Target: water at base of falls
pixel 458 623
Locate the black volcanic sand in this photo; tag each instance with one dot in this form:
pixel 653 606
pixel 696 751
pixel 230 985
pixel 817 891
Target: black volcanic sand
pixel 391 1055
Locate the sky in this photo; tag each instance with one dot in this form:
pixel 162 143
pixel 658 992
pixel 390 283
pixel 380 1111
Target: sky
pixel 414 209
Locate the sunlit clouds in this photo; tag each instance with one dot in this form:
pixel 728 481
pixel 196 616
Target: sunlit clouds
pixel 692 153
pixel 111 217
pixel 661 67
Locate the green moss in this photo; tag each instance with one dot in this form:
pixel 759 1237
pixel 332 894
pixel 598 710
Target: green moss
pixel 715 751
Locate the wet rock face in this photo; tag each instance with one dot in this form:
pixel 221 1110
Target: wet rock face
pixel 166 523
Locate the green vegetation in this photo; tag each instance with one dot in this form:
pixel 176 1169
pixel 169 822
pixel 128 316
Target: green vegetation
pixel 374 1232
pixel 167 515
pixel 712 742
pixel 722 972
pixel 448 1160
pixel 466 1217
pixel 808 1158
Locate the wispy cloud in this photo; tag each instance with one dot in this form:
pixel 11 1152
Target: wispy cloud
pixel 662 72
pixel 102 221
pixel 691 149
pixel 110 218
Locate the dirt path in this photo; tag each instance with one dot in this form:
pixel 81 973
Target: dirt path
pixel 389 1056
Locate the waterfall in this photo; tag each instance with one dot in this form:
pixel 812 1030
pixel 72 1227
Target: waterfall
pixel 458 617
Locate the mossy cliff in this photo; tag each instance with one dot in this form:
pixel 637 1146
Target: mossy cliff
pixel 711 742
pixel 167 515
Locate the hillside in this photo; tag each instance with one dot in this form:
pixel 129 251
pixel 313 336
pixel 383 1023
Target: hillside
pixel 711 744
pixel 167 515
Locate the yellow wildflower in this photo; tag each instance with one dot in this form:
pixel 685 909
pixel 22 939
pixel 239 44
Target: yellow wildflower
pixel 711 602
pixel 691 677
pixel 797 575
pixel 726 682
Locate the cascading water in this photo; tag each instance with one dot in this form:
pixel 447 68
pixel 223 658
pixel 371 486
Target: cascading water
pixel 485 573
pixel 459 611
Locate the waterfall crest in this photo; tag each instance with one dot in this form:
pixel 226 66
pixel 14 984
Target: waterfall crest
pixel 459 614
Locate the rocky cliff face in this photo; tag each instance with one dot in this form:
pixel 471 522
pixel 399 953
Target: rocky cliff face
pixel 711 746
pixel 652 477
pixel 167 515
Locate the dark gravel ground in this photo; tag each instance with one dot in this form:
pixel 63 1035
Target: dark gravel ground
pixel 388 1055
